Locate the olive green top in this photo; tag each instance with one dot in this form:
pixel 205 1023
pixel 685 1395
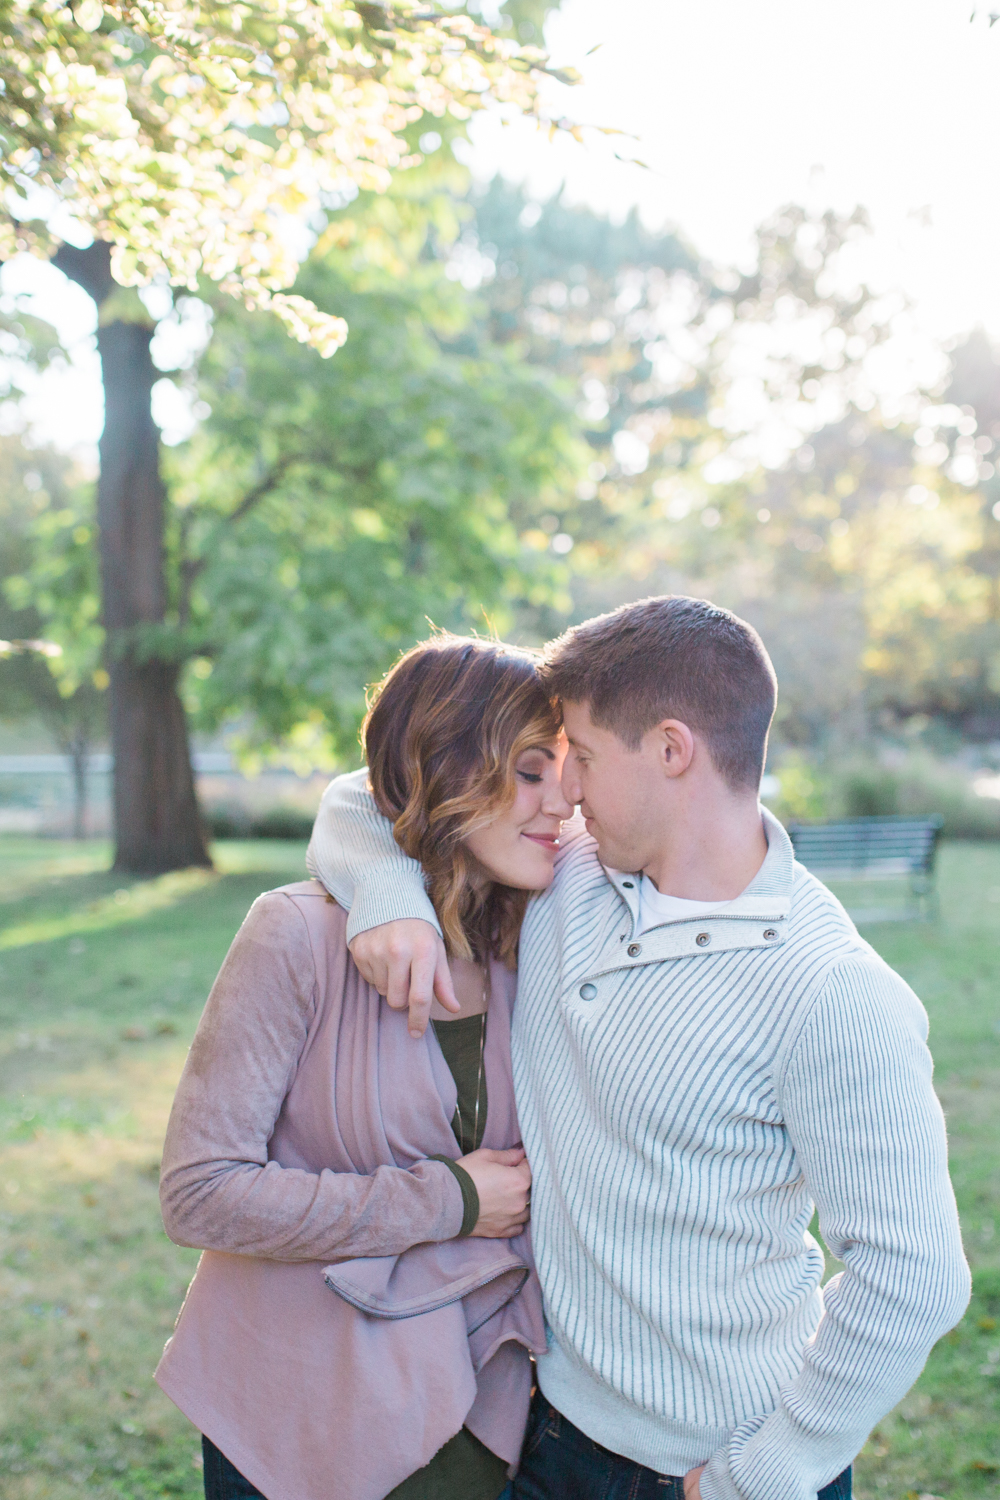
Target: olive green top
pixel 464 1469
pixel 461 1041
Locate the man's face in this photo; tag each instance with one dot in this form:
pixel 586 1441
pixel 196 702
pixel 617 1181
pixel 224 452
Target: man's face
pixel 621 792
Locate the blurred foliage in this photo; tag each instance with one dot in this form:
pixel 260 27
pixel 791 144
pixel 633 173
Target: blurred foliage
pixel 542 414
pixel 908 784
pixel 618 313
pixel 48 598
pixel 279 822
pixel 740 453
pixel 327 509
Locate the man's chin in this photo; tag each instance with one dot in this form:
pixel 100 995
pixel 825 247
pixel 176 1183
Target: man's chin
pixel 609 853
pixel 612 854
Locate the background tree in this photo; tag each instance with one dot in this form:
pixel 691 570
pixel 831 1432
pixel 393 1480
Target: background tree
pixel 325 510
pixel 184 138
pixel 546 414
pixel 858 533
pixel 618 313
pixel 740 449
pixel 50 654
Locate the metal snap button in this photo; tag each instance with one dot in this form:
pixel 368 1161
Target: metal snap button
pixel 634 949
pixel 588 991
pixel 770 933
pixel 703 939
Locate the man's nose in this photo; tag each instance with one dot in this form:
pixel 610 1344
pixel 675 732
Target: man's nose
pixel 554 803
pixel 570 784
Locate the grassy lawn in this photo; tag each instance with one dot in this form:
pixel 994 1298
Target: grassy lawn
pixel 101 984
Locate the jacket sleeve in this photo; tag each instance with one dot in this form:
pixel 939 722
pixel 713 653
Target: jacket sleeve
pixel 858 1103
pixel 218 1189
pixel 354 854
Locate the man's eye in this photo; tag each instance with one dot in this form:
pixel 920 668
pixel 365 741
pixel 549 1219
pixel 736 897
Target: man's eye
pixel 531 776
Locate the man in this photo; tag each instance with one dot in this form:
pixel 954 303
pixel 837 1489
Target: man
pixel 704 1049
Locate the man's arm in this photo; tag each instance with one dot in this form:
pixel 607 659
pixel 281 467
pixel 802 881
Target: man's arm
pixel 393 932
pixel 858 1103
pixel 353 852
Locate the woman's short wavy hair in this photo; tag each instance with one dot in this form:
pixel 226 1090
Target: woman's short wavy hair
pixel 442 736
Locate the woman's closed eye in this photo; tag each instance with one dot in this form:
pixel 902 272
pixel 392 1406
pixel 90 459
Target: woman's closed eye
pixel 532 777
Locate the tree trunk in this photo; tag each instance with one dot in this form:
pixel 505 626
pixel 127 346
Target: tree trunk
pixel 157 825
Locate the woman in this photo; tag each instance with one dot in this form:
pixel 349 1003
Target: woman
pixel 361 1322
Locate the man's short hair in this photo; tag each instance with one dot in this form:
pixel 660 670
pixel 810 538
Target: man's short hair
pixel 672 657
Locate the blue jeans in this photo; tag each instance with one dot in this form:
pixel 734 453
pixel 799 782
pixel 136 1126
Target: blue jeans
pixel 560 1462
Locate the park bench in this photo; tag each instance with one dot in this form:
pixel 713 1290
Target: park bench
pixel 874 849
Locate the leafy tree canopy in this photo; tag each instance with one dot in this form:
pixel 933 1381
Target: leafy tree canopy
pixel 324 511
pixel 191 136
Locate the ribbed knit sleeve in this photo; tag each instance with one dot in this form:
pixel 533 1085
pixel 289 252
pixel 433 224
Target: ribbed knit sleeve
pixel 353 853
pixel 856 1096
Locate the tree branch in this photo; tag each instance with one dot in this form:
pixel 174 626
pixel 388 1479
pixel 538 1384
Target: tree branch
pixel 90 268
pixel 270 482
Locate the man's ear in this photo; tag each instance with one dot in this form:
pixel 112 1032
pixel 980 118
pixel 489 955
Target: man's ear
pixel 675 744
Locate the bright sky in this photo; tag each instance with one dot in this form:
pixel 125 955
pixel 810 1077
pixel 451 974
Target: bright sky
pixel 742 105
pixel 738 106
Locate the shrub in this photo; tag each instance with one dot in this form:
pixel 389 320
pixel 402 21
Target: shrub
pixel 803 794
pixel 915 785
pixel 232 821
pixel 281 823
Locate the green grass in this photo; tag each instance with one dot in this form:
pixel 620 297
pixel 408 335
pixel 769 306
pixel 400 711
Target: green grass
pixel 101 983
pixel 102 980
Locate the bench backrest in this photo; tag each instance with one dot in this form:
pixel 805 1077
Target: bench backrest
pixel 883 846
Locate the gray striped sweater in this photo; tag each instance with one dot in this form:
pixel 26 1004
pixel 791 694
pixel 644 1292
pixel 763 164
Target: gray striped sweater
pixel 686 1097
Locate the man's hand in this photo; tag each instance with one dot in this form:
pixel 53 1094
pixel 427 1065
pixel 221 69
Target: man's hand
pixel 692 1488
pixel 503 1182
pixel 406 962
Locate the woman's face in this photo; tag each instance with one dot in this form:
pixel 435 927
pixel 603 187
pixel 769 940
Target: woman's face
pixel 519 847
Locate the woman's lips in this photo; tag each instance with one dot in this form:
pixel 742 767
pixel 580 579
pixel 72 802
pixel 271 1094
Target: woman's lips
pixel 547 840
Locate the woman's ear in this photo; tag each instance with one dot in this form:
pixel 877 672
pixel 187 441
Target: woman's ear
pixel 675 746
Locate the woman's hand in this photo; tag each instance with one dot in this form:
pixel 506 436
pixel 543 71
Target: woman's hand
pixel 503 1182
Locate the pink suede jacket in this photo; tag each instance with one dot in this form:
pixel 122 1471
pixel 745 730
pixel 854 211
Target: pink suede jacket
pixel 336 1332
